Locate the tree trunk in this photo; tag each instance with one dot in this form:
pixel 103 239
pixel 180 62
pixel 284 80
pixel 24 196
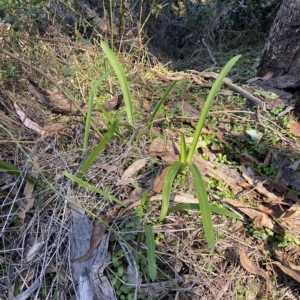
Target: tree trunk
pixel 282 50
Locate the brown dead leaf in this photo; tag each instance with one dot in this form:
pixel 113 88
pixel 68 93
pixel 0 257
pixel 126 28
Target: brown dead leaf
pixel 292 252
pixel 54 127
pixel 136 193
pixel 251 268
pixel 220 136
pixel 224 125
pixel 295 128
pixel 289 271
pixel 146 105
pixel 157 129
pixel 206 131
pixel 292 212
pixel 216 148
pixel 176 198
pixel 289 257
pixel 188 140
pixel 292 216
pixel 254 213
pixel 206 151
pixel 159 180
pixel 136 166
pixel 164 149
pixel 262 221
pixel 188 109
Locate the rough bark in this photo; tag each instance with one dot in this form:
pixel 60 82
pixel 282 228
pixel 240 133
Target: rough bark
pixel 282 50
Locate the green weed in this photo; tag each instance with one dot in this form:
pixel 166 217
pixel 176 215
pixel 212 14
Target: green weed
pixel 185 163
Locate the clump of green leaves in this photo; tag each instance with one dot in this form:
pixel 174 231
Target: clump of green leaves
pixel 119 277
pixel 287 239
pixel 185 163
pixel 242 294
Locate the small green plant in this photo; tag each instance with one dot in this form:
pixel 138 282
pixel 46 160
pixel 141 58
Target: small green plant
pixel 242 294
pixel 118 277
pixel 270 170
pixel 222 158
pixel 286 239
pixel 185 163
pixel 261 234
pixel 277 110
pixel 8 71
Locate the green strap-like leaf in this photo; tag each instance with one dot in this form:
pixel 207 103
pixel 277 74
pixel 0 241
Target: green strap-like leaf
pixel 161 101
pixel 151 252
pixel 90 109
pixel 109 134
pixel 10 168
pixel 93 188
pixel 105 113
pixel 213 91
pixel 121 77
pixel 144 198
pixel 204 207
pixel 183 153
pixel 167 186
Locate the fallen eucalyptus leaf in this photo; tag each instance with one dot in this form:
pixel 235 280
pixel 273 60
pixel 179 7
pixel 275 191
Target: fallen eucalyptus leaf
pixel 292 273
pixel 251 268
pixel 134 168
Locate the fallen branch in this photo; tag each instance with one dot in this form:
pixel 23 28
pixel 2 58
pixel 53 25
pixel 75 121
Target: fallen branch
pixel 233 87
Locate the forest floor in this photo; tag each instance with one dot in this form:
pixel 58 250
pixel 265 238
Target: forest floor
pixel 248 155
